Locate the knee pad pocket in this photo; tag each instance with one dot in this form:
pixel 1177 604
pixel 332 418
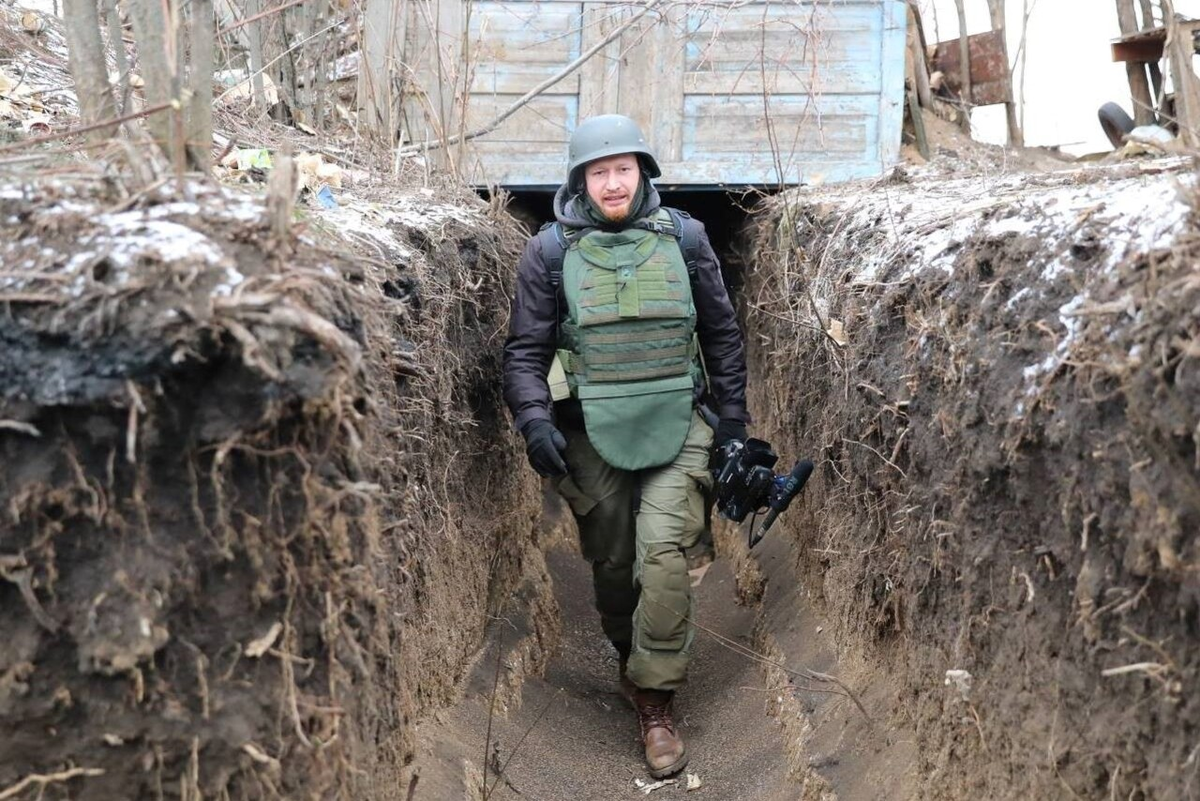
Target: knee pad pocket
pixel 665 602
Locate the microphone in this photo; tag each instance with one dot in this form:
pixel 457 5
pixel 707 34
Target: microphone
pixel 786 488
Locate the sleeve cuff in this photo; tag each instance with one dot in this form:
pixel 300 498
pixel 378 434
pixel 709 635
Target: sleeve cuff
pixel 738 413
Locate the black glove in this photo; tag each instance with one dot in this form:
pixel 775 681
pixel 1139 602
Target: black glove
pixel 544 445
pixel 729 429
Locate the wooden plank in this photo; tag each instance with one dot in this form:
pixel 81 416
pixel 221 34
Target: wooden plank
pixel 707 21
pixel 782 44
pixel 520 33
pixel 757 171
pixel 514 46
pixel 519 79
pixel 851 78
pixel 891 90
pixel 698 98
pixel 548 120
pixel 842 128
pixel 666 122
pixel 600 76
pixel 1181 51
pixel 636 77
pixel 1139 49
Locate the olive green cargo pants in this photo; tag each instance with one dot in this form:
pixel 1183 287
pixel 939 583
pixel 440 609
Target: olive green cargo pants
pixel 633 527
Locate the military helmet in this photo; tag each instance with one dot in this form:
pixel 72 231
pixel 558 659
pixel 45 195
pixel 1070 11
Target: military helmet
pixel 609 135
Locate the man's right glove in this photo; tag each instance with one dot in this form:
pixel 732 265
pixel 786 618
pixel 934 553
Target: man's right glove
pixel 545 445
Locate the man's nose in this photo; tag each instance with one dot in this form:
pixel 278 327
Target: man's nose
pixel 611 181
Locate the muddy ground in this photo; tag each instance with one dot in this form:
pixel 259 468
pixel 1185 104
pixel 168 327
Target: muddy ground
pixel 1000 381
pixel 570 734
pixel 258 495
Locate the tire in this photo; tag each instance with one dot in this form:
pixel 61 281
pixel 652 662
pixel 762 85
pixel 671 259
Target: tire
pixel 1115 122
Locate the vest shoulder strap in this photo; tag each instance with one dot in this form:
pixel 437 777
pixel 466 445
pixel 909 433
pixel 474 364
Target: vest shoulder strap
pixel 555 241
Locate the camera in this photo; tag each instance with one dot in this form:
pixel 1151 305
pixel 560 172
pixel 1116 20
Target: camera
pixel 745 482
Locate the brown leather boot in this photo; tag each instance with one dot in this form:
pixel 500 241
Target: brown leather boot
pixel 665 754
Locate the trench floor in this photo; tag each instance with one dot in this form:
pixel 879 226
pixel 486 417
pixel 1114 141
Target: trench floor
pixel 582 742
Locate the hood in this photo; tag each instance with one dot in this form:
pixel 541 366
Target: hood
pixel 570 208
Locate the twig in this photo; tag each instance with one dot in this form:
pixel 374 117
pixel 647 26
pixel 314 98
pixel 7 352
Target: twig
pixel 487 740
pixel 48 778
pixel 520 742
pixel 17 425
pixel 886 460
pixel 37 140
pixel 276 60
pixel 258 16
pixel 755 656
pixel 532 93
pixel 1151 668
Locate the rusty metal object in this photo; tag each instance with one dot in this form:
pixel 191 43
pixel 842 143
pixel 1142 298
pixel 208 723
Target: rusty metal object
pixel 989 68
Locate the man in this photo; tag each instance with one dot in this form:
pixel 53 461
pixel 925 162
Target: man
pixel 612 331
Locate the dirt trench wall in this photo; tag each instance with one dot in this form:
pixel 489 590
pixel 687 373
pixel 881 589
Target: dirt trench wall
pixel 999 379
pixel 258 495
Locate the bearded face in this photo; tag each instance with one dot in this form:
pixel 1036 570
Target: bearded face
pixel 612 185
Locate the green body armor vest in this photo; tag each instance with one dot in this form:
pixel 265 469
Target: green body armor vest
pixel 627 344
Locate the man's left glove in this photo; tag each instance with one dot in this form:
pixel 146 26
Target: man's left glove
pixel 545 445
pixel 728 429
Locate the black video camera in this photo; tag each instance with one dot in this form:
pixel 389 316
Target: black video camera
pixel 745 482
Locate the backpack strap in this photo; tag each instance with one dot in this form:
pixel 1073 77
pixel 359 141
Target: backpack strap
pixel 554 248
pixel 688 237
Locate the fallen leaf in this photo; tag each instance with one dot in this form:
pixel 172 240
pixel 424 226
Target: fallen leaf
pixel 837 332
pixel 32 22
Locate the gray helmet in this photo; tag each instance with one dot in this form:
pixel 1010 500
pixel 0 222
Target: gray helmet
pixel 609 135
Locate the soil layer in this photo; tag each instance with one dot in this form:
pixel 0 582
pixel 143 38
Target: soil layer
pixel 257 493
pixel 1000 381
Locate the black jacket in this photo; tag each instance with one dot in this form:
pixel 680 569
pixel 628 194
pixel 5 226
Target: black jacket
pixel 533 325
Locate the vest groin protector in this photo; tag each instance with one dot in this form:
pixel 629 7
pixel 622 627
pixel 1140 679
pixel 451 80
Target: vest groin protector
pixel 627 344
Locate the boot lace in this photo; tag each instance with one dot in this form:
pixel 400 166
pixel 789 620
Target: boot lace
pixel 654 716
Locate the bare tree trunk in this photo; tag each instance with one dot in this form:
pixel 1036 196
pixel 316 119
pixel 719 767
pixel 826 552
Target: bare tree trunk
pixel 255 34
pixel 150 29
pixel 1015 137
pixel 285 70
pixel 116 42
pixel 964 58
pixel 321 68
pixel 85 52
pixel 1023 57
pixel 384 25
pixel 1143 106
pixel 200 84
pixel 1147 14
pixel 916 45
pixel 1156 78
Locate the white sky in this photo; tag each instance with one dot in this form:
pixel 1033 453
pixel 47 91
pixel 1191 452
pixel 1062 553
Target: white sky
pixel 1071 72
